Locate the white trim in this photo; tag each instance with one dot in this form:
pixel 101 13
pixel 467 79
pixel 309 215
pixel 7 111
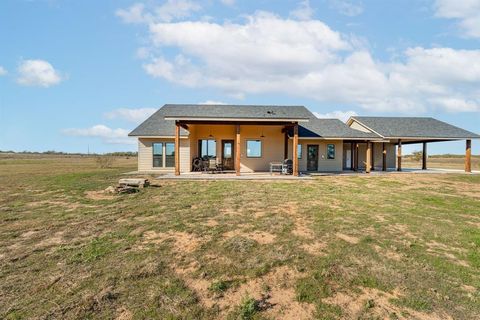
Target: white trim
pixel 352 119
pixel 238 119
pixel 339 138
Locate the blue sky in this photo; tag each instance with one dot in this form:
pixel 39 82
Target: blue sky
pixel 78 75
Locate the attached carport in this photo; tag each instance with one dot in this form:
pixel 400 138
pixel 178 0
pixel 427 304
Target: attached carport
pixel 412 130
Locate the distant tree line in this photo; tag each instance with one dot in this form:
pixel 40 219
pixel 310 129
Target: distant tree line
pixel 52 152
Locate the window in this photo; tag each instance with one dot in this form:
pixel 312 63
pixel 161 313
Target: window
pixel 207 148
pixel 227 150
pixel 158 154
pixel 299 151
pixel 330 151
pixel 254 148
pixel 169 154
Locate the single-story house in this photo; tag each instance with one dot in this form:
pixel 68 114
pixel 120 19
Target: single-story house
pixel 249 138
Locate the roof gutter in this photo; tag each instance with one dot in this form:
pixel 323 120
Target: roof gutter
pixel 236 119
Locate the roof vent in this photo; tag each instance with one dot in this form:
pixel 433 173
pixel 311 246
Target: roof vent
pixel 271 112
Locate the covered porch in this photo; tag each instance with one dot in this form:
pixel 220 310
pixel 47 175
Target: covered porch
pixel 238 147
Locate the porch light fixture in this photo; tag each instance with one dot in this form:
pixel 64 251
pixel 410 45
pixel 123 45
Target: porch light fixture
pixel 262 136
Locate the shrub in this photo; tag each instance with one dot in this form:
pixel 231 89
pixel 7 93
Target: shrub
pixel 417 155
pixel 104 161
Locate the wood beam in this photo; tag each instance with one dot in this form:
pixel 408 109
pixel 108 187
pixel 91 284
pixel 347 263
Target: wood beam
pixel 373 156
pixel 177 149
pixel 237 150
pixel 352 156
pixel 295 150
pixel 184 126
pixel 285 146
pixel 356 156
pixel 368 165
pixel 424 156
pixel 399 155
pixel 384 157
pixel 468 156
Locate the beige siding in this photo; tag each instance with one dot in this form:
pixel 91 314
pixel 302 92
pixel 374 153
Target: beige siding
pixel 324 164
pixel 145 154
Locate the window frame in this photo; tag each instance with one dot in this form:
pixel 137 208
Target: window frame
pixel 161 156
pixel 334 151
pixel 165 154
pixel 261 148
pixel 200 147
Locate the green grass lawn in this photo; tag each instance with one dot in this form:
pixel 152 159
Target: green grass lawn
pixel 363 247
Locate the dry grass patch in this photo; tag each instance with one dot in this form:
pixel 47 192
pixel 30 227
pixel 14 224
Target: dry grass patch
pixel 261 237
pixel 375 304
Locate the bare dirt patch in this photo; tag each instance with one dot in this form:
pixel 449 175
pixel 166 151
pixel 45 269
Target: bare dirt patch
pixel 390 254
pixel 376 304
pixel 183 242
pixel 277 289
pixel 261 237
pixel 99 195
pixel 347 238
pixel 316 248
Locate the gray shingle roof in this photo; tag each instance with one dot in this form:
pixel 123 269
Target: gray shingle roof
pixel 414 127
pixel 236 111
pixel 331 128
pixel 156 125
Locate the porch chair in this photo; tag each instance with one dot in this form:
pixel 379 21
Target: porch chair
pixel 287 166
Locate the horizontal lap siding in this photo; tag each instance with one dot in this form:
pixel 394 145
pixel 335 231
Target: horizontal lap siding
pixel 145 154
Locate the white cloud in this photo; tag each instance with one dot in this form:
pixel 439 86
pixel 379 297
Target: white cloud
pixel 228 2
pixel 304 11
pixel 3 71
pixel 342 115
pixel 37 73
pixel 467 12
pixel 212 102
pixel 347 8
pixel 132 115
pixel 167 12
pixel 108 135
pixel 270 54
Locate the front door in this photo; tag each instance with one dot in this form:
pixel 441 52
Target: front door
pixel 227 154
pixel 312 157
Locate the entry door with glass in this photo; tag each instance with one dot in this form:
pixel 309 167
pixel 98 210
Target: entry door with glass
pixel 227 154
pixel 312 157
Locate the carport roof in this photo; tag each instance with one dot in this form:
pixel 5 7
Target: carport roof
pixel 412 128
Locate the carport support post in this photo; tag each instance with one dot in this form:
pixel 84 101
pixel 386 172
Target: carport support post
pixel 295 150
pixel 177 148
pixel 399 155
pixel 424 156
pixel 468 156
pixel 373 157
pixel 285 147
pixel 384 157
pixel 237 149
pixel 368 165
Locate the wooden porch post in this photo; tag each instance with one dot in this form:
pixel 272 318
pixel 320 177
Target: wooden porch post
pixel 356 156
pixel 352 156
pixel 384 157
pixel 177 148
pixel 295 150
pixel 237 150
pixel 368 165
pixel 424 156
pixel 399 155
pixel 285 147
pixel 468 156
pixel 373 156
